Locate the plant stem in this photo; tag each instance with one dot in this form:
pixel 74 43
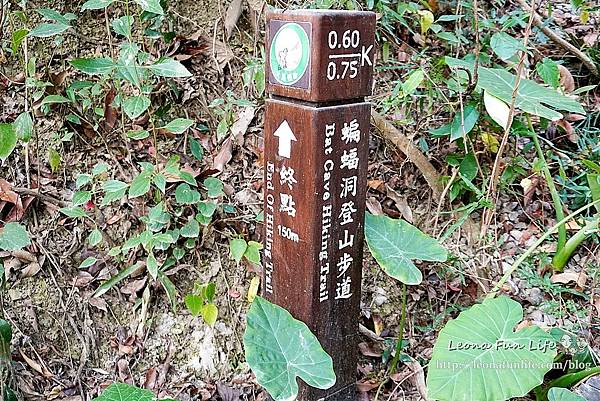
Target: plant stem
pixel 561 257
pixel 396 358
pixel 560 214
pixel 533 247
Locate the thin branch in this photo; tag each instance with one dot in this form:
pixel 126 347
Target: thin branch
pixel 560 41
pixel 491 193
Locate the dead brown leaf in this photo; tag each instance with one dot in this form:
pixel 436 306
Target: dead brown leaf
pixel 234 11
pixel 38 367
pixel 374 206
pixel 418 378
pixel 401 203
pixel 570 276
pixel 6 192
pixel 110 113
pixel 597 304
pixel 31 270
pixel 224 155
pixel 566 79
pixel 240 126
pixel 369 350
pixel 366 385
pixel 99 303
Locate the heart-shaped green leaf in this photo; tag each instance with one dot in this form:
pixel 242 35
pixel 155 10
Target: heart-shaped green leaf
pixel 479 356
pixel 125 392
pixel 562 394
pixel 395 243
pixel 185 195
pixel 280 348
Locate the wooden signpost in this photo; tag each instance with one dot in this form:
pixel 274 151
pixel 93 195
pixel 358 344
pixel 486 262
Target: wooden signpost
pixel 319 69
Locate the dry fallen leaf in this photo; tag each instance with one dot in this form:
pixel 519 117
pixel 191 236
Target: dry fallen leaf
pixel 570 276
pixel 240 126
pixel 234 11
pixel 418 378
pixel 374 206
pixel 224 155
pixel 566 79
pixel 597 304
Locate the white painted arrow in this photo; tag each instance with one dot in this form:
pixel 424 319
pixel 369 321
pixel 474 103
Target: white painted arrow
pixel 286 136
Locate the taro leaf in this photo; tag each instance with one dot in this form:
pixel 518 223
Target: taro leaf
pixel 135 106
pixel 13 237
pixel 8 140
pixel 125 392
pixel 395 243
pixel 478 356
pixel 280 348
pixel 100 65
pixel 505 46
pixel 562 394
pixel 532 97
pixel 170 68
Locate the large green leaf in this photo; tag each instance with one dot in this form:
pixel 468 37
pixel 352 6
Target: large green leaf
pixel 532 97
pixel 8 140
pixel 280 348
pixel 395 243
pixel 562 394
pixel 125 392
pixel 479 357
pixel 505 46
pixel 13 237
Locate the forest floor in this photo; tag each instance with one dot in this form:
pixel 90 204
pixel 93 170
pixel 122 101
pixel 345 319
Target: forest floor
pixel 68 344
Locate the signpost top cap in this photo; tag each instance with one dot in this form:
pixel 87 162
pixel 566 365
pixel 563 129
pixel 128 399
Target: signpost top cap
pixel 320 55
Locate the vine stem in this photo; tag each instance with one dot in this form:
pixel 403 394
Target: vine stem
pixel 560 214
pixel 533 247
pixel 396 359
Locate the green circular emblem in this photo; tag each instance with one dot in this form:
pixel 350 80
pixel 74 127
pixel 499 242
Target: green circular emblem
pixel 290 54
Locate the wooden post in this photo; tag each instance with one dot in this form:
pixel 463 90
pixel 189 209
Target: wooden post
pixel 319 68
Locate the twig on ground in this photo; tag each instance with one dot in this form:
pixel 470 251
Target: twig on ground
pixel 405 145
pixel 558 40
pixel 41 196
